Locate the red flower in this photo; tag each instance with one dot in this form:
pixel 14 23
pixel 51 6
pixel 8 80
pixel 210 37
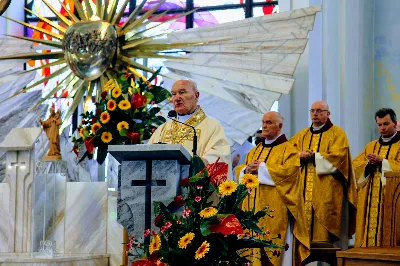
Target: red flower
pixel 186 213
pixel 146 233
pixel 199 187
pixel 218 172
pixel 197 199
pixel 98 112
pixel 228 225
pixel 94 120
pixel 159 221
pixel 84 122
pixel 89 145
pixel 166 226
pixel 178 200
pixel 185 182
pixel 138 101
pixel 103 95
pixel 133 136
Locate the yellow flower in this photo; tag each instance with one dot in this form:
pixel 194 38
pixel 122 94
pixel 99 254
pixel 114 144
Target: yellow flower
pixel 122 125
pixel 95 127
pixel 124 105
pixel 105 117
pixel 106 137
pixel 116 92
pixel 82 131
pixel 202 250
pixel 250 181
pixel 208 212
pixel 155 244
pixel 228 187
pixel 185 240
pixel 111 105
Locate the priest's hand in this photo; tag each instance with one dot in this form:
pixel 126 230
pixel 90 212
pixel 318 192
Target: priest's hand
pixel 306 154
pixel 252 168
pixel 374 159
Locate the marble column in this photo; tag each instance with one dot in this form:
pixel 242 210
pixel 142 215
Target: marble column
pixel 19 147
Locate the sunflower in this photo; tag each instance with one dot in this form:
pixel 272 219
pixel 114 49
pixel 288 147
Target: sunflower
pixel 208 212
pixel 202 250
pixel 122 125
pixel 105 117
pixel 106 137
pixel 185 240
pixel 124 105
pixel 155 244
pixel 250 181
pixel 111 105
pixel 227 187
pixel 82 131
pixel 95 127
pixel 116 92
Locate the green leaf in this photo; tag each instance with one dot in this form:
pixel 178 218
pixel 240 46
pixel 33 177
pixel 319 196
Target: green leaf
pixel 204 227
pixel 101 155
pixel 196 166
pixel 149 97
pixel 122 132
pixel 155 75
pixel 160 94
pixel 153 111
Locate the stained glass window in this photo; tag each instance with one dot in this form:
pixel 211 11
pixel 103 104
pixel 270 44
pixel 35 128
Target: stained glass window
pixel 207 18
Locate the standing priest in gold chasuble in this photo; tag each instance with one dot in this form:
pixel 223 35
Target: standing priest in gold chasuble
pixel 212 142
pixel 379 156
pixel 327 176
pixel 276 162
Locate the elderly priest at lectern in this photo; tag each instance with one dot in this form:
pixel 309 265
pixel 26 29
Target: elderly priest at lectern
pixel 211 144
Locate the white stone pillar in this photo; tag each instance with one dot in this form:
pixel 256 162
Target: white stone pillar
pixel 20 170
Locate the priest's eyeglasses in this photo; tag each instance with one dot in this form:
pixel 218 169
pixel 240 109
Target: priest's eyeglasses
pixel 318 111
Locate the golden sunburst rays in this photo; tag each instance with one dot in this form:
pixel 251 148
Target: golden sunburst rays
pixel 134 40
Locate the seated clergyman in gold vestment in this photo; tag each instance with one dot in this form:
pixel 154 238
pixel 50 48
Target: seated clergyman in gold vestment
pixel 276 162
pixel 326 174
pixel 212 142
pixel 379 156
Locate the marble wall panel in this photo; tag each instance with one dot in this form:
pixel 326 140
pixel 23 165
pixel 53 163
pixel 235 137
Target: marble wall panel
pixel 86 218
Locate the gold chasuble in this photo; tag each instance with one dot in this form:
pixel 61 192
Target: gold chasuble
pixel 324 193
pixel 211 139
pixel 371 187
pixel 284 198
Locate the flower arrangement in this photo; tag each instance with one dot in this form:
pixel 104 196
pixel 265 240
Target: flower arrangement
pixel 127 113
pixel 194 230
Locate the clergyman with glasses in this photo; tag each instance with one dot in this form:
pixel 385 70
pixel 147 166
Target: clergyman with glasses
pixel 327 175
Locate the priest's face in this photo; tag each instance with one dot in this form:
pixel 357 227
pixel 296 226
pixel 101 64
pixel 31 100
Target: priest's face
pixel 386 126
pixel 184 97
pixel 271 125
pixel 319 113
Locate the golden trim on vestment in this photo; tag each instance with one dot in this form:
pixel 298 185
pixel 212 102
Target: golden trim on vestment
pixel 311 172
pixel 179 133
pixel 374 202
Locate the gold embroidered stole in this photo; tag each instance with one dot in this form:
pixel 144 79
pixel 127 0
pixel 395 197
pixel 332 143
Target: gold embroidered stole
pixel 179 133
pixel 310 173
pixel 374 224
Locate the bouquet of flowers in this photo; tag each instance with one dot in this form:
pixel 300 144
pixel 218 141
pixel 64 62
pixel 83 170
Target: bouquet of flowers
pixel 194 230
pixel 127 113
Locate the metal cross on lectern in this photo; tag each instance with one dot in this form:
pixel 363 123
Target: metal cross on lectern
pixel 148 184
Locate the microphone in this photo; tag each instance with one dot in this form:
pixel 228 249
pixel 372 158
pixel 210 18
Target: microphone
pixel 173 114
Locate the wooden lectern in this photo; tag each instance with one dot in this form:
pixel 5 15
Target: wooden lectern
pixel 391 215
pixel 389 253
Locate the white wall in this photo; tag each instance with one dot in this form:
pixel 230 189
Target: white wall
pixel 336 67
